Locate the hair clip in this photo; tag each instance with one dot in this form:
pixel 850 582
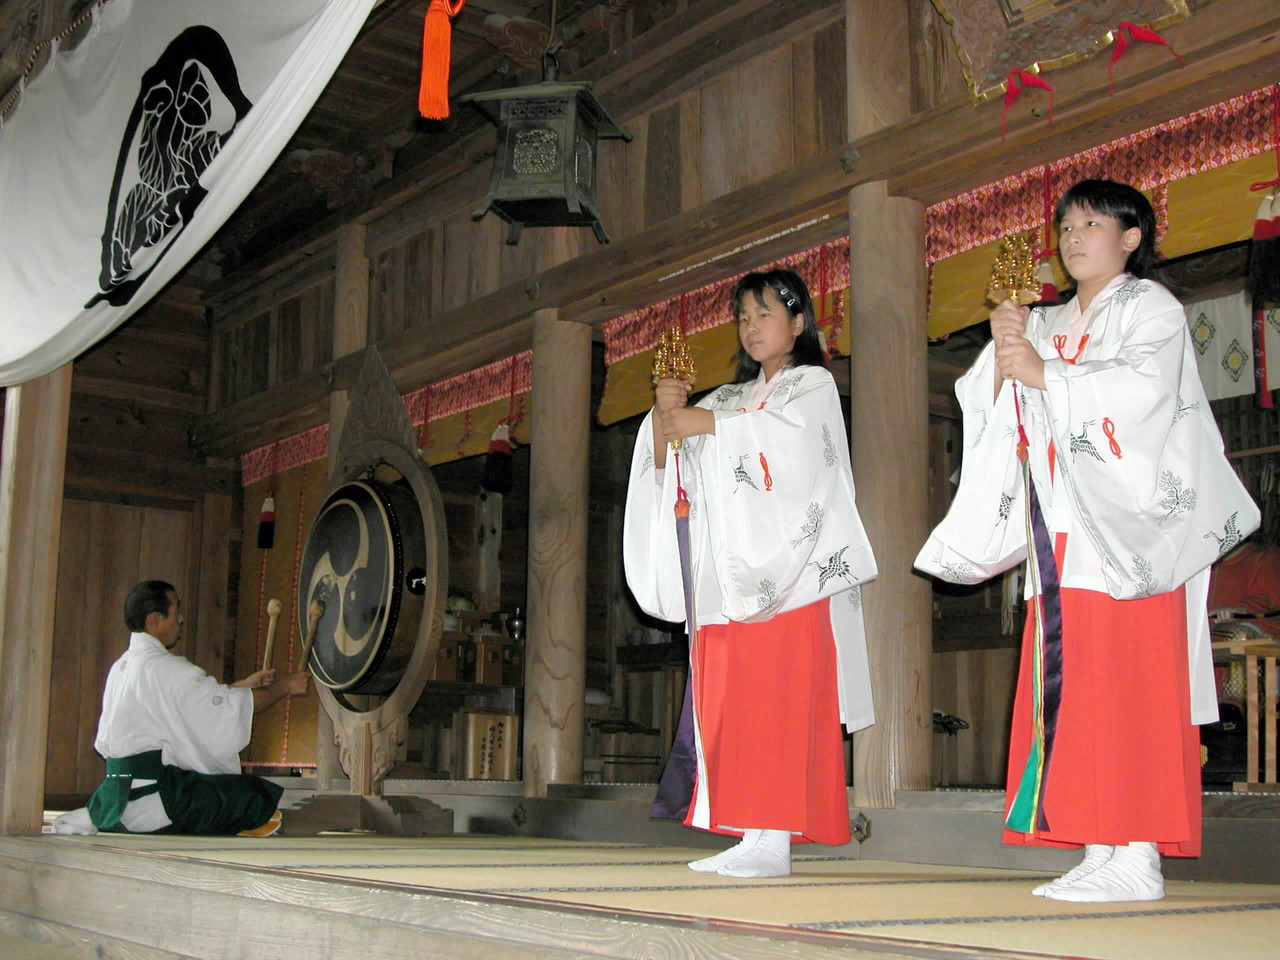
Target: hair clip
pixel 789 298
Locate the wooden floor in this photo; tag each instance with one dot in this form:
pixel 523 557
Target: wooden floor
pixel 497 897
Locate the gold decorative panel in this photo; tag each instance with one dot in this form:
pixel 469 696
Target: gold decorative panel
pixel 993 37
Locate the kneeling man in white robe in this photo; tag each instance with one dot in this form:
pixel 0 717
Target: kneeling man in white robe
pixel 172 736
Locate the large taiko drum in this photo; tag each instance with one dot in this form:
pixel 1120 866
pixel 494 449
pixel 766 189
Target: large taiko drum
pixel 366 560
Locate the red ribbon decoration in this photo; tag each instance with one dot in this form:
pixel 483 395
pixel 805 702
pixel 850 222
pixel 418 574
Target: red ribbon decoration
pixel 1265 230
pixel 1018 81
pixel 424 432
pixel 1060 342
pixel 1109 428
pixel 1127 34
pixel 1275 140
pixel 466 435
pixel 510 418
pixel 768 478
pixel 1048 208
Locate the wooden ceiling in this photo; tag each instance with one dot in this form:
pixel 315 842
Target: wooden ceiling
pixel 365 129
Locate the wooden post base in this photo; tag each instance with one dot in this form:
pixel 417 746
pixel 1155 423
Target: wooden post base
pixel 397 816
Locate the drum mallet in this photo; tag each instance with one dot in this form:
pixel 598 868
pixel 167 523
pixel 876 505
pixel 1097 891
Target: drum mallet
pixel 273 613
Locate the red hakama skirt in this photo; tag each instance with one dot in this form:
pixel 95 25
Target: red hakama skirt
pixel 1125 765
pixel 769 724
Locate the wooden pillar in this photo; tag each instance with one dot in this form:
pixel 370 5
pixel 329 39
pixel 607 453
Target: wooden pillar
pixel 207 571
pixel 350 315
pixel 32 462
pixel 890 417
pixel 555 670
pixel 350 333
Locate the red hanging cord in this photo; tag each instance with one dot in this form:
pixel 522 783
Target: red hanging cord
pixel 465 437
pixel 1275 140
pixel 1048 209
pixel 267 515
pixel 1123 37
pixel 1044 272
pixel 424 431
pixel 297 566
pixel 511 395
pixel 1018 81
pixel 682 498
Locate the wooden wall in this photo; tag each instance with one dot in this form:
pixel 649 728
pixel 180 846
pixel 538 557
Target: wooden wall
pixel 138 505
pixel 975 663
pixel 134 396
pixel 106 548
pixel 977 686
pixel 756 119
pixel 285 733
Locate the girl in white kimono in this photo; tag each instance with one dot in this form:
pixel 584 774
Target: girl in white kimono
pixel 778 655
pixel 1130 500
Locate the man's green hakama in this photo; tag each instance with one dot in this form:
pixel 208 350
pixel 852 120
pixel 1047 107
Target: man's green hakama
pixel 197 803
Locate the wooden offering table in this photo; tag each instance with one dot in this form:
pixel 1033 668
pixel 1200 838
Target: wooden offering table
pixel 1257 653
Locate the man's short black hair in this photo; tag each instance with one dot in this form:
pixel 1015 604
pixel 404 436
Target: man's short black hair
pixel 150 596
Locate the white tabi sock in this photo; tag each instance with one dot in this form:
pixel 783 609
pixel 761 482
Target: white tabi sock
pixel 712 864
pixel 75 822
pixel 1132 873
pixel 1095 855
pixel 770 857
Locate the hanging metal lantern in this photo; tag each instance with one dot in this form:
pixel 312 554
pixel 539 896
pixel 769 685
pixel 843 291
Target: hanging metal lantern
pixel 544 171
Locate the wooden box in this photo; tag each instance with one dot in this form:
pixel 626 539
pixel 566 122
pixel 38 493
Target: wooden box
pixel 492 744
pixel 446 663
pixel 490 654
pixel 630 757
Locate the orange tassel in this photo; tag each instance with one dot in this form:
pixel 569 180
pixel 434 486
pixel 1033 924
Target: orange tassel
pixel 433 90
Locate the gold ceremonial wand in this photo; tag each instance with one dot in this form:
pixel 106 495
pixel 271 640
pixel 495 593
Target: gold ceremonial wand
pixel 671 361
pixel 1013 275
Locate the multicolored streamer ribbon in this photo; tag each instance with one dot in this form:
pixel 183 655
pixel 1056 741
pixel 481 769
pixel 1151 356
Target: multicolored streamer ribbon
pixel 1027 813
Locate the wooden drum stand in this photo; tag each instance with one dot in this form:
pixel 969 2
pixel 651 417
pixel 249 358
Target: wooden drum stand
pixel 371 591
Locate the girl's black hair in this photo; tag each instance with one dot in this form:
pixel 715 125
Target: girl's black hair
pixel 790 289
pixel 1127 205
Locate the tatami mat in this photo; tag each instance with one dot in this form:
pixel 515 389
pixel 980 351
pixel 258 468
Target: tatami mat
pixel 962 906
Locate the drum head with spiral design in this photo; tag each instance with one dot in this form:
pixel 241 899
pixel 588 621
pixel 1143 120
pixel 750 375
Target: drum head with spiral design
pixel 364 559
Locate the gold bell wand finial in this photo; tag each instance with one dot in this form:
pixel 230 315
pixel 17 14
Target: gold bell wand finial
pixel 671 361
pixel 1013 275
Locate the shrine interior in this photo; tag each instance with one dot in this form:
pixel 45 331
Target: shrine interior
pixel 367 295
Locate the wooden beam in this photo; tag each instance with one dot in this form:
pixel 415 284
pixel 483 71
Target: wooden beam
pixel 116 470
pixel 31 469
pixel 1228 50
pixel 720 31
pixel 712 34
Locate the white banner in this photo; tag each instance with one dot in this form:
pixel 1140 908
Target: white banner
pixel 125 156
pixel 1222 333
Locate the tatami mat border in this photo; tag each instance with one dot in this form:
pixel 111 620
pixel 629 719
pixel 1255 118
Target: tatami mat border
pixel 748 885
pixel 838 925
